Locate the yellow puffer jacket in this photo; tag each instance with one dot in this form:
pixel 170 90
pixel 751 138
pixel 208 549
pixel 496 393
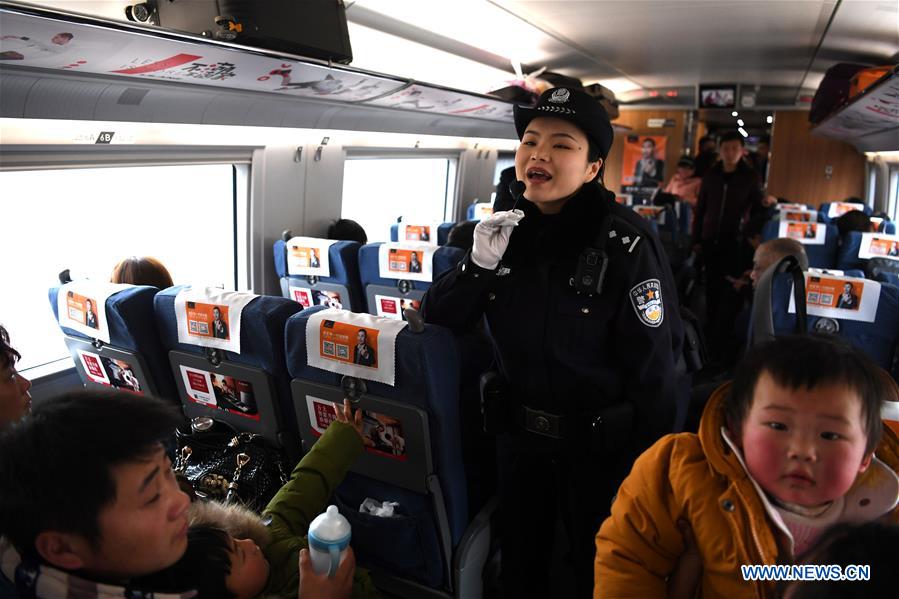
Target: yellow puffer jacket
pixel 699 478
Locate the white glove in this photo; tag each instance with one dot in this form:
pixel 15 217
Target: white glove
pixel 491 237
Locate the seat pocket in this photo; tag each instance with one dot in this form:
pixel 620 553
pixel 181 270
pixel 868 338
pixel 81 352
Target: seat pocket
pixel 399 545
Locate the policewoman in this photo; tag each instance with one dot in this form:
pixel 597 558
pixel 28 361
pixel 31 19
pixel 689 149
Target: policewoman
pixel 581 306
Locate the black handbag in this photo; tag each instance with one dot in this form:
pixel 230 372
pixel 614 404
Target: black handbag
pixel 223 464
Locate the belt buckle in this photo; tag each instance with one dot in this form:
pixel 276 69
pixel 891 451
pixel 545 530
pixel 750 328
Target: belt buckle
pixel 542 423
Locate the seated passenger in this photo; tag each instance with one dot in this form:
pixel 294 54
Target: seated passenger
pixel 15 400
pixel 462 235
pixel 88 495
pixel 854 220
pixel 232 554
pixel 872 544
pixel 347 230
pixel 685 184
pixel 782 453
pixel 142 271
pixel 773 251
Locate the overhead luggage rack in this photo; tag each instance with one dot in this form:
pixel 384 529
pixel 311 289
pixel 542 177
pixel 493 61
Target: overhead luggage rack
pixel 870 121
pixel 54 43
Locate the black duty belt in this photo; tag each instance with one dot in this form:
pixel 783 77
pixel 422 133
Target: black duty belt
pixel 543 423
pixel 606 429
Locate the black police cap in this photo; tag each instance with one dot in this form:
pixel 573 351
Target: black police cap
pixel 574 106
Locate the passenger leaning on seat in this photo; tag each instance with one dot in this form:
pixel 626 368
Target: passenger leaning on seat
pixel 582 309
pixel 15 400
pixel 783 453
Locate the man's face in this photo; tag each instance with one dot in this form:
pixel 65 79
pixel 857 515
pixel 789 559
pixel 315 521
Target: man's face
pixel 731 152
pixel 360 337
pixel 761 260
pixel 763 150
pixel 144 530
pixel 847 288
pixel 648 149
pixel 60 39
pixel 216 313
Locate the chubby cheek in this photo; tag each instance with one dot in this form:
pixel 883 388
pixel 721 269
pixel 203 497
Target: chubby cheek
pixel 842 465
pixel 763 453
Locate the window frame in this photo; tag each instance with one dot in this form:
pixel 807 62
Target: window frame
pixel 39 157
pixel 454 172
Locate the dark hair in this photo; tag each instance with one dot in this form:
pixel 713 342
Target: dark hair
pixel 65 34
pixel 732 136
pixel 347 230
pixel 854 220
pixel 809 361
pixel 650 140
pixel 141 271
pixel 55 465
pixel 871 544
pixel 204 567
pixel 705 139
pixel 853 200
pixel 462 235
pixel 8 356
pixel 594 154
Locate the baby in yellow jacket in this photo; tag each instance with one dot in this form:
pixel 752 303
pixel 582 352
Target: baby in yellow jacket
pixel 784 452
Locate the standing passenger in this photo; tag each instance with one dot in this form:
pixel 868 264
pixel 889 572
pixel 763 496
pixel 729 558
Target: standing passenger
pixel 582 309
pixel 729 193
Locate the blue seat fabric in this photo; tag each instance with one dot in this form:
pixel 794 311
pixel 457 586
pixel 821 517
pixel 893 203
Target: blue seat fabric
pixel 344 263
pixel 133 328
pixel 819 256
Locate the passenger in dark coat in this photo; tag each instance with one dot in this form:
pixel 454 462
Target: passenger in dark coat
pixel 592 376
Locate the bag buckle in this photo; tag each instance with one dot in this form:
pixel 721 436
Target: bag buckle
pixel 543 423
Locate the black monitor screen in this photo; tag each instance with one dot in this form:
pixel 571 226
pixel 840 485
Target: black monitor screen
pixel 717 96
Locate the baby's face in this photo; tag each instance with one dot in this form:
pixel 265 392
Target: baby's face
pixel 249 569
pixel 804 446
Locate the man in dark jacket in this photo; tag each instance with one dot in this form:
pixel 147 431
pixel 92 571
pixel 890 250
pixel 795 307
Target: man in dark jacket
pixel 730 192
pixel 707 157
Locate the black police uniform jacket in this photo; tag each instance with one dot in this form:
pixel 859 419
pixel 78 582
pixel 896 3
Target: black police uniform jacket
pixel 564 352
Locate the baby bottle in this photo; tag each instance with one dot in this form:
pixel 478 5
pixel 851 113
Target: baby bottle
pixel 329 536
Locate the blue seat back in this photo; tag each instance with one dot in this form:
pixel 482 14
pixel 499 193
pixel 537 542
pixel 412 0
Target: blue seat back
pixel 445 258
pixel 344 279
pixel 443 230
pixel 472 212
pixel 133 338
pixel 888 277
pixel 429 484
pixel 878 339
pixel 819 256
pixel 261 363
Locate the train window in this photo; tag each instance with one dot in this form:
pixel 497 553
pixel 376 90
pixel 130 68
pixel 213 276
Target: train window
pixel 503 161
pixel 87 219
pixel 378 190
pixel 893 198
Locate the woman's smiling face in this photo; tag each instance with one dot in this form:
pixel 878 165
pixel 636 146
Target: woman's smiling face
pixel 552 162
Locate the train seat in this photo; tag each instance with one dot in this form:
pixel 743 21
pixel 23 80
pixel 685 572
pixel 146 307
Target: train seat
pixel 431 547
pixel 821 252
pixel 387 296
pixel 860 248
pixel 248 388
pixel 830 211
pixel 412 235
pixel 479 211
pixel 341 287
pixel 133 357
pixel 871 325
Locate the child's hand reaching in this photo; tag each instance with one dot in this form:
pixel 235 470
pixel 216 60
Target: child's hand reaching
pixel 346 415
